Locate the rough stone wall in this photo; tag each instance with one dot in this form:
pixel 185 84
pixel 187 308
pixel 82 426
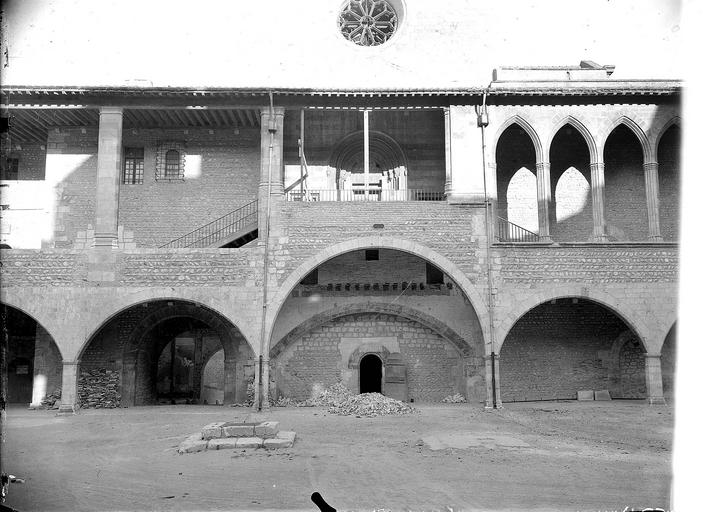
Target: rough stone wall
pixel 71 168
pixel 434 368
pixel 47 360
pixel 453 231
pixel 32 160
pixel 632 379
pixel 221 175
pixel 558 349
pixel 391 267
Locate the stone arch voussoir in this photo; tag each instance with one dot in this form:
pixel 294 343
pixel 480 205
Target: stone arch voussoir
pixel 399 310
pixel 377 242
pixel 630 318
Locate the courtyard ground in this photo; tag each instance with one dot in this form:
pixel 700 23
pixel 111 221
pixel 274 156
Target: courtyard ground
pixel 529 456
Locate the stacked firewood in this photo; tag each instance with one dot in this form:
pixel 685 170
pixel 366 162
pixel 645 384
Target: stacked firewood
pixel 99 388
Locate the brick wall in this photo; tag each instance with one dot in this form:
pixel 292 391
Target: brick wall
pixel 47 360
pixel 222 174
pixel 434 367
pixel 32 160
pixel 558 349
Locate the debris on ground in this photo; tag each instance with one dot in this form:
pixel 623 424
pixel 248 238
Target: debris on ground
pixel 99 388
pixel 456 398
pixel 333 395
pixel 52 400
pixel 370 405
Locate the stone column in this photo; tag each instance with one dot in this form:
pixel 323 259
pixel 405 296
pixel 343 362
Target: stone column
pixel 230 380
pixel 544 199
pixel 69 388
pixel 651 183
pixel 489 382
pixel 108 179
pixel 597 189
pixel 653 377
pixel 265 404
pixel 271 151
pixel 447 152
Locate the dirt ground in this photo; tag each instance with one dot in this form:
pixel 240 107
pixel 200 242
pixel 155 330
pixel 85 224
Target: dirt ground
pixel 530 456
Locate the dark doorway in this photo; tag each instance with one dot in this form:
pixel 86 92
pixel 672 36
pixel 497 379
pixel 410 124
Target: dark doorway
pixel 19 380
pixel 370 374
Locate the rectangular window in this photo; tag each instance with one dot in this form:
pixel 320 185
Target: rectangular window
pixel 434 275
pixel 371 254
pixel 133 166
pixel 10 169
pixel 170 161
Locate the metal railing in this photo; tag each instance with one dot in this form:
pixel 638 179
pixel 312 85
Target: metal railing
pixel 374 195
pixel 509 232
pixel 234 222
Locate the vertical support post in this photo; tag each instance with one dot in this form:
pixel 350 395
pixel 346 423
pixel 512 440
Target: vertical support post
pixel 302 152
pixel 597 191
pixel 653 379
pixel 447 152
pixel 257 385
pixel 265 381
pixel 271 153
pixel 366 154
pixel 69 388
pixel 544 199
pixel 651 183
pixel 230 381
pixel 108 179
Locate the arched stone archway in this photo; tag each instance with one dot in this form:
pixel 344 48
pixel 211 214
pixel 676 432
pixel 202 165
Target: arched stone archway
pixel 132 342
pixel 444 264
pixel 566 345
pixel 34 360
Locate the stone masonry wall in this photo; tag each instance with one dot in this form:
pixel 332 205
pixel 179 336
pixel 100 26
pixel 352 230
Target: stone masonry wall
pixel 221 175
pixel 558 349
pixel 434 368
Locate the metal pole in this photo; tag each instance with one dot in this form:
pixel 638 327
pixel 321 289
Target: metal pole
pixel 302 150
pixel 366 154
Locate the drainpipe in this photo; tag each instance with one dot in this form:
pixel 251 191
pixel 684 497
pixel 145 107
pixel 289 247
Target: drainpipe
pixel 483 122
pixel 272 131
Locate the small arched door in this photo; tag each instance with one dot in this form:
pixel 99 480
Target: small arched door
pixel 370 374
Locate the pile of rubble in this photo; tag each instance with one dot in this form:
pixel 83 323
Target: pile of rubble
pixel 52 400
pixel 457 398
pixel 334 395
pixel 370 405
pixel 99 388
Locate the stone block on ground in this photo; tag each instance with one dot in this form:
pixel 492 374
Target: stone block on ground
pixel 224 443
pixel 213 430
pixel 267 429
pixel 585 395
pixel 193 444
pixel 284 439
pixel 603 394
pixel 248 442
pixel 238 430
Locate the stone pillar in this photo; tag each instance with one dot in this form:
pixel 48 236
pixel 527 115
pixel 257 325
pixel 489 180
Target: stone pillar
pixel 69 388
pixel 447 152
pixel 230 381
pixel 597 189
pixel 265 376
pixel 651 183
pixel 653 377
pixel 271 151
pixel 466 157
pixel 108 179
pixel 489 381
pixel 47 367
pixel 544 199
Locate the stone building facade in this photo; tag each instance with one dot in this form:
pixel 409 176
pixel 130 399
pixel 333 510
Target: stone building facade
pixel 515 242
